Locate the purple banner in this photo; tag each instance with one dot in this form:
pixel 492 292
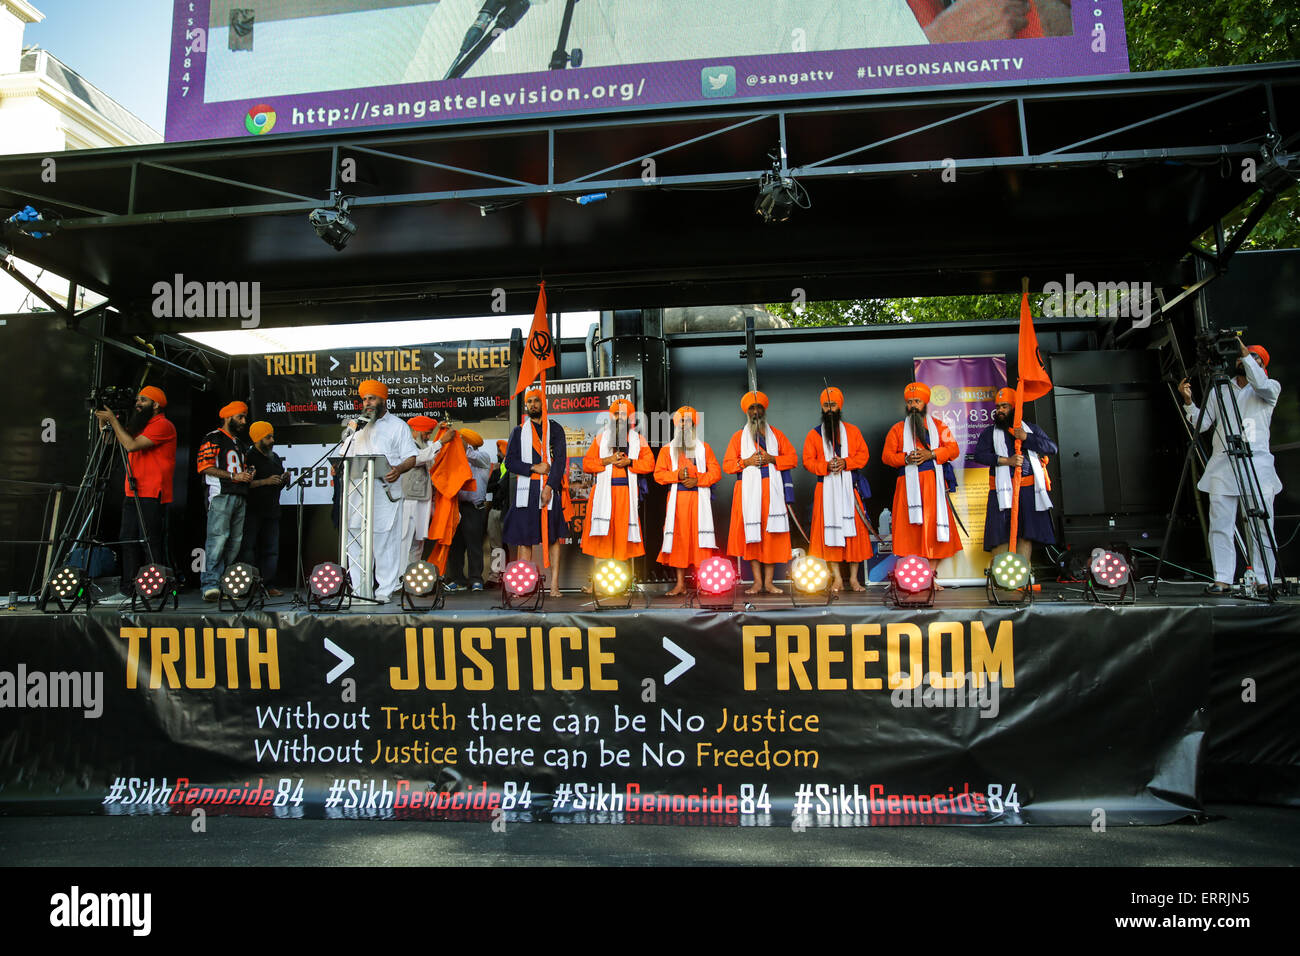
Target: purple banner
pixel 962 390
pixel 298 66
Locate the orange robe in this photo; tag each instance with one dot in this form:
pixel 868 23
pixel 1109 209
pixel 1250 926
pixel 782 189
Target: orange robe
pixel 857 548
pixel 614 544
pixel 450 474
pixel 922 539
pixel 774 548
pixel 686 550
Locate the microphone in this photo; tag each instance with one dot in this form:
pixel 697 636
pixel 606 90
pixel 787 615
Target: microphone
pixel 486 16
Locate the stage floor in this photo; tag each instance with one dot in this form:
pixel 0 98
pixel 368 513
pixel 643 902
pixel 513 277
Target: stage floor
pixel 1172 594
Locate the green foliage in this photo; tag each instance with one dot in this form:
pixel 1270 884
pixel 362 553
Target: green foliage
pixel 950 308
pixel 1162 35
pixel 1175 35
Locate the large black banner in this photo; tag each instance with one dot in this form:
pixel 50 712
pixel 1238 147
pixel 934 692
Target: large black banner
pixel 803 717
pixel 466 381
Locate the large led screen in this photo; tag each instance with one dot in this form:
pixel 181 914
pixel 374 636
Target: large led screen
pixel 270 67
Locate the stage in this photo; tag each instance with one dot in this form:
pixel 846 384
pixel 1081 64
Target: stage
pixel 1062 712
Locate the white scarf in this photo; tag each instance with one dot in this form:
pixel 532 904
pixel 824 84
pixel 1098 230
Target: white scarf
pixel 838 504
pixel 912 478
pixel 602 496
pixel 522 485
pixel 703 504
pixel 751 490
pixel 1002 475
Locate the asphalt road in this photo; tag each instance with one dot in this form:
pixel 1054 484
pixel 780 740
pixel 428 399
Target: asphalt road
pixel 1234 836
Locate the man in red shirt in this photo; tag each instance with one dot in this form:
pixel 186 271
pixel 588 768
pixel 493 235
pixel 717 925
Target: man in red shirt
pixel 150 440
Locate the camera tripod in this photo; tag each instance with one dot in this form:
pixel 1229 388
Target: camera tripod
pixel 1229 429
pixel 82 527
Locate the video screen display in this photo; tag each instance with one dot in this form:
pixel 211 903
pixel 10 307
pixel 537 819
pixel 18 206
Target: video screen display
pixel 267 67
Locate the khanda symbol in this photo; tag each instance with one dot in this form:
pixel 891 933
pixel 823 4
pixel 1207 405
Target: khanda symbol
pixel 539 343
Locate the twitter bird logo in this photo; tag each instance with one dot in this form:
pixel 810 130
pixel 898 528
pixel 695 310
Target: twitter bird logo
pixel 718 81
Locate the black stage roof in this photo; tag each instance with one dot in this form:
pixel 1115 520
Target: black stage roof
pixel 1107 178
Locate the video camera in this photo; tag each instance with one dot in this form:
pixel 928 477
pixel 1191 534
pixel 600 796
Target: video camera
pixel 1219 349
pixel 119 399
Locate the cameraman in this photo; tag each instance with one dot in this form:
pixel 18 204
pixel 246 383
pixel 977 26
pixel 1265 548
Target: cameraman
pixel 1256 395
pixel 150 440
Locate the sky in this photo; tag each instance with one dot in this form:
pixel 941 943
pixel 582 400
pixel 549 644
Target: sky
pixel 120 46
pixel 125 53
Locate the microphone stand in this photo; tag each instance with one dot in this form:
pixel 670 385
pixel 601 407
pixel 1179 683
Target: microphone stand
pixel 300 481
pixel 562 57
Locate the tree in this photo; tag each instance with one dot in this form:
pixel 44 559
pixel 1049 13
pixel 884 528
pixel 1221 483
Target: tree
pixel 1162 35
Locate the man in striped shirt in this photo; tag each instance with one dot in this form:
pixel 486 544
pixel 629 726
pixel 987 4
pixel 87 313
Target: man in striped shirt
pixel 226 477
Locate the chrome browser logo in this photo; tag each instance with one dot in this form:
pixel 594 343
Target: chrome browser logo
pixel 260 119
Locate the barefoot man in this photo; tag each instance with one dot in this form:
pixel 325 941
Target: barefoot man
pixel 760 527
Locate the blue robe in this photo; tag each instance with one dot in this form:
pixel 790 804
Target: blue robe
pixel 524 525
pixel 1033 525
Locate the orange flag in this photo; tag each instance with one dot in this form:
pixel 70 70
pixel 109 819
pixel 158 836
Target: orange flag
pixel 539 355
pixel 539 350
pixel 1033 377
pixel 1034 383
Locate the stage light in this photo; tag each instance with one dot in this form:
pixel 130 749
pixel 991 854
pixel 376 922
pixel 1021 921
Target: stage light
pixel 422 580
pixel 612 578
pixel 521 579
pixel 715 583
pixel 1010 572
pixel 67 587
pixel 241 585
pixel 154 583
pixel 911 582
pixel 1110 579
pixel 776 197
pixel 810 577
pixel 327 587
pixel 334 225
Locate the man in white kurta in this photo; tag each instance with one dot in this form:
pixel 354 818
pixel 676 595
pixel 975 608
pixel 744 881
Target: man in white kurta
pixel 1256 396
pixel 389 436
pixel 417 487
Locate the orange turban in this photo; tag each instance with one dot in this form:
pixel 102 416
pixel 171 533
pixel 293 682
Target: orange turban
pixel 917 390
pixel 259 430
pixel 233 409
pixel 832 394
pixel 1260 351
pixel 502 445
pixel 1006 396
pixel 371 387
pixel 686 412
pixel 422 423
pixel 155 395
pixel 752 398
pixel 471 437
pixel 534 393
pixel 627 407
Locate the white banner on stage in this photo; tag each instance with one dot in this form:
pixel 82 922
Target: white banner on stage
pixel 318 488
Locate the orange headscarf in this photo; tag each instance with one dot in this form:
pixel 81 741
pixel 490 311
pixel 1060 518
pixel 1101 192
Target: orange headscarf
pixel 917 390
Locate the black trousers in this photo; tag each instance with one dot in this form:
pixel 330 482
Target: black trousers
pixel 261 544
pixel 468 538
pixel 133 553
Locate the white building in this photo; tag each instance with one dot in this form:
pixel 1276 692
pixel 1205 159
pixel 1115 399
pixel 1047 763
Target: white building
pixel 46 107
